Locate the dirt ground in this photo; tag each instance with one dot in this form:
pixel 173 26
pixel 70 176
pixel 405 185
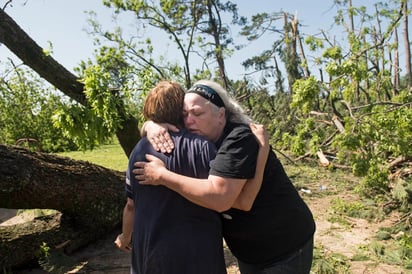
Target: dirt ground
pixel 335 238
pixel 104 257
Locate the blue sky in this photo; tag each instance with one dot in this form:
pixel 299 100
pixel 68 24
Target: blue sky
pixel 63 22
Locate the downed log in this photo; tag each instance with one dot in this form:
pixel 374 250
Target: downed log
pixel 20 242
pixel 322 158
pixel 338 124
pixel 89 197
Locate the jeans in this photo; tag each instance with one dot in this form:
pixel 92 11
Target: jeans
pixel 300 262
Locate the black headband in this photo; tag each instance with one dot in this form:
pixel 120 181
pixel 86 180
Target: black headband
pixel 207 93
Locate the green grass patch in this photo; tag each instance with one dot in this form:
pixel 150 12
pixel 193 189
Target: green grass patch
pixel 110 156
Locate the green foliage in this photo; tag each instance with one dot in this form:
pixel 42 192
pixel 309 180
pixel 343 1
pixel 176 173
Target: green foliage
pixel 56 261
pixel 394 243
pixel 306 92
pixel 402 192
pixel 26 107
pixel 81 124
pixel 299 142
pixel 354 209
pixel 384 131
pixel 44 250
pixel 376 118
pixel 343 211
pixel 395 252
pixel 314 43
pixel 115 90
pixel 104 102
pixel 272 110
pixel 375 181
pixel 334 53
pixel 329 263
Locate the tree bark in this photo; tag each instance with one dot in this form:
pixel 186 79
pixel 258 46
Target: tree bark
pixel 20 242
pixel 407 43
pixel 215 30
pixel 90 199
pixel 396 76
pixel 31 54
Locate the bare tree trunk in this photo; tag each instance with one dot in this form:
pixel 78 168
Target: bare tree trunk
pixel 406 42
pixel 365 60
pixel 396 78
pixel 291 56
pixel 215 27
pixel 302 51
pixel 279 78
pixel 89 197
pixel 15 39
pixel 377 37
pixel 352 24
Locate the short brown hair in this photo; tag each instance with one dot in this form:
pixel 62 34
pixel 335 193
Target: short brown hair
pixel 164 103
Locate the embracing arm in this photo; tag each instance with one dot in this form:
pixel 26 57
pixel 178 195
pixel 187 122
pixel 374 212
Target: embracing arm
pixel 249 192
pixel 215 192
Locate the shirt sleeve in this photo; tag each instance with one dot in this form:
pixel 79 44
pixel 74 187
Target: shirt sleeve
pixel 138 154
pixel 128 186
pixel 237 155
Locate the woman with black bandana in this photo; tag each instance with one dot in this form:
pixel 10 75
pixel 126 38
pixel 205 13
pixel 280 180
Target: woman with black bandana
pixel 276 234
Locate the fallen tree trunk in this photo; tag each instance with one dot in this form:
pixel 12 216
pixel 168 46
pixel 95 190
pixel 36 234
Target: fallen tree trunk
pixel 90 199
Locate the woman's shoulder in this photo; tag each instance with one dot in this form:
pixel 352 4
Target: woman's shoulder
pixel 238 129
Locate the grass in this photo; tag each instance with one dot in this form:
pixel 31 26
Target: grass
pixel 110 156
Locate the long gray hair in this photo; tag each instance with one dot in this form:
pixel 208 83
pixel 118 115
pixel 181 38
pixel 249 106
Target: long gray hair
pixel 234 112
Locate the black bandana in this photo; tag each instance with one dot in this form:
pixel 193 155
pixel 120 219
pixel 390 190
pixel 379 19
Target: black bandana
pixel 207 93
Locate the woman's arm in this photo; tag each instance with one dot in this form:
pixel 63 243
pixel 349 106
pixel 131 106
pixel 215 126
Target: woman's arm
pixel 215 192
pixel 249 192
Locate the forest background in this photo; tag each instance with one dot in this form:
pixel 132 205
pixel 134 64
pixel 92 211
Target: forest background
pixel 340 96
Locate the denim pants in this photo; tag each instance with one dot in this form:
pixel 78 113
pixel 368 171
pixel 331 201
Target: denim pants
pixel 300 262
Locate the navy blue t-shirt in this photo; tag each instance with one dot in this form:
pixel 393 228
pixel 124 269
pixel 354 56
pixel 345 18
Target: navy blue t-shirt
pixel 171 234
pixel 279 222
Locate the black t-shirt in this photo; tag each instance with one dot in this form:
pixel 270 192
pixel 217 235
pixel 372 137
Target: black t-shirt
pixel 279 222
pixel 172 235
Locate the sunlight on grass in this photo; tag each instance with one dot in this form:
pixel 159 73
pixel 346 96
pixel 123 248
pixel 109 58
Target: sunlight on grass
pixel 110 156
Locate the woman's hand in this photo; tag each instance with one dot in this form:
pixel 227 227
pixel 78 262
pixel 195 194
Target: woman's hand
pixel 158 135
pixel 149 173
pixel 261 135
